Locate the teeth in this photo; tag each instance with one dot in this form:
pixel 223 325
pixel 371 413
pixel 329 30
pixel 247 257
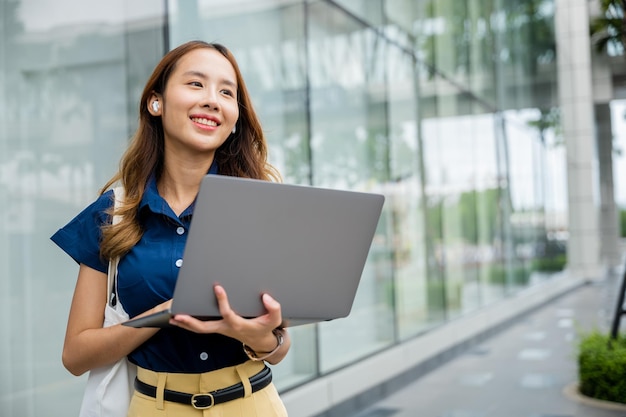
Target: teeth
pixel 204 121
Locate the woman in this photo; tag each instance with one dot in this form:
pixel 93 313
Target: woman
pixel 195 118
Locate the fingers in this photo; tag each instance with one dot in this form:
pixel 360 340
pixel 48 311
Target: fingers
pixel 232 324
pixel 273 310
pixel 199 326
pixel 192 324
pixel 270 303
pixel 222 303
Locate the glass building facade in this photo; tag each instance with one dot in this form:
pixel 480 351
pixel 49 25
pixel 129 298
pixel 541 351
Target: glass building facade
pixel 448 107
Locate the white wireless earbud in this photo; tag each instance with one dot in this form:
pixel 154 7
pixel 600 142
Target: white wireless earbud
pixel 155 105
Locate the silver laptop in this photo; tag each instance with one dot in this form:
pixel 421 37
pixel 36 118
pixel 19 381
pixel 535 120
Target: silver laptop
pixel 305 246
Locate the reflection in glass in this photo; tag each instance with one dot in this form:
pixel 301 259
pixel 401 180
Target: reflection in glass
pixel 404 192
pixel 69 73
pixel 349 145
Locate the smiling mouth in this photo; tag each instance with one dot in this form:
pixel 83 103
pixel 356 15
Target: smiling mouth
pixel 203 121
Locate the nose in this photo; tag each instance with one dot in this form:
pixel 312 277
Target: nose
pixel 211 105
pixel 210 101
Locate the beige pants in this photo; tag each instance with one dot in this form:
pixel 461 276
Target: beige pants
pixel 263 403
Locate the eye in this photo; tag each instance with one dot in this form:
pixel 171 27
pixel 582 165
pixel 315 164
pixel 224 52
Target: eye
pixel 195 84
pixel 228 92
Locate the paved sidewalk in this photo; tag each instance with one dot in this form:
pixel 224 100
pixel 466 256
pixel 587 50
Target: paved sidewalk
pixel 522 371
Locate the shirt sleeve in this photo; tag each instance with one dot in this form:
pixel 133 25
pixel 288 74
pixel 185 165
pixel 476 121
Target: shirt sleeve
pixel 80 238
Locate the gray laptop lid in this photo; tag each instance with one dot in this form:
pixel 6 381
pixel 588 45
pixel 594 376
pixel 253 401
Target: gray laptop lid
pixel 305 246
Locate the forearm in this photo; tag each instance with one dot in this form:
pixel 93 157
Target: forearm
pixel 93 348
pixel 87 344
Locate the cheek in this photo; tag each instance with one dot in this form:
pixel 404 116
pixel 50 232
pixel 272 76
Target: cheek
pixel 235 113
pixel 169 120
pixel 176 111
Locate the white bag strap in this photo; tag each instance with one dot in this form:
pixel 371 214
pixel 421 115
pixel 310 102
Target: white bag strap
pixel 118 194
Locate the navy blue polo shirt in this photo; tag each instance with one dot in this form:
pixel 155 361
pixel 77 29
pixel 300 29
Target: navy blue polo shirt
pixel 147 276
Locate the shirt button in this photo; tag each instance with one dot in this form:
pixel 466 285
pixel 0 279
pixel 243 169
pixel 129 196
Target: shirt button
pixel 180 230
pixel 204 356
pixel 179 263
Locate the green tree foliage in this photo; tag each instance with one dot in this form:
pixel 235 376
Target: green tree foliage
pixel 466 206
pixel 514 31
pixel 609 29
pixel 530 32
pixel 549 120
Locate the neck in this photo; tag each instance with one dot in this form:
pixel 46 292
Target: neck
pixel 180 181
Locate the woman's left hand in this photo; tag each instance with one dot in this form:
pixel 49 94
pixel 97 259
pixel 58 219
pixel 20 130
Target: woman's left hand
pixel 255 332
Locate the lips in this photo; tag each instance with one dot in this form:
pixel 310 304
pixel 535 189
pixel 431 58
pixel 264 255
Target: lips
pixel 205 121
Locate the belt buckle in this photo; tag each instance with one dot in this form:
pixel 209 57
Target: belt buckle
pixel 202 399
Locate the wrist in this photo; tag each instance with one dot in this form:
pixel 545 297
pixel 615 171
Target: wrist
pixel 261 355
pixel 270 342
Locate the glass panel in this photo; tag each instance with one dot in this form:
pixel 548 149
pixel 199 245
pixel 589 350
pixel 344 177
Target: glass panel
pixel 350 151
pixel 444 38
pixel 481 47
pixel 432 206
pixel 403 14
pixel 463 194
pixel 268 43
pixel 537 195
pixel 454 158
pixel 486 256
pixel 68 93
pixel 501 272
pixel 461 39
pixel 526 52
pixel 405 189
pixel 369 11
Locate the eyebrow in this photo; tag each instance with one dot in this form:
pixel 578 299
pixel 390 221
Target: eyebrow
pixel 205 77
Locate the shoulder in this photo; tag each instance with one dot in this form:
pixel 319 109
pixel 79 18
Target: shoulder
pixel 98 210
pixel 80 238
pixel 96 213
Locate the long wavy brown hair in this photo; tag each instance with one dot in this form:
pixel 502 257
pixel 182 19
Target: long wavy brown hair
pixel 243 154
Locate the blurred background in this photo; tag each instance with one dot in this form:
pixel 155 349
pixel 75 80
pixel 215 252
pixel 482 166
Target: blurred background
pixel 493 127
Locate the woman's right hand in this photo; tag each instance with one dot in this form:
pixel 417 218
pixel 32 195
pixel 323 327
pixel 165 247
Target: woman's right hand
pixel 257 333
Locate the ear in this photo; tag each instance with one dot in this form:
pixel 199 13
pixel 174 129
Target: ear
pixel 155 104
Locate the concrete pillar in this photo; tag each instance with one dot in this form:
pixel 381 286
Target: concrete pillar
pixel 578 121
pixel 610 247
pixel 602 88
